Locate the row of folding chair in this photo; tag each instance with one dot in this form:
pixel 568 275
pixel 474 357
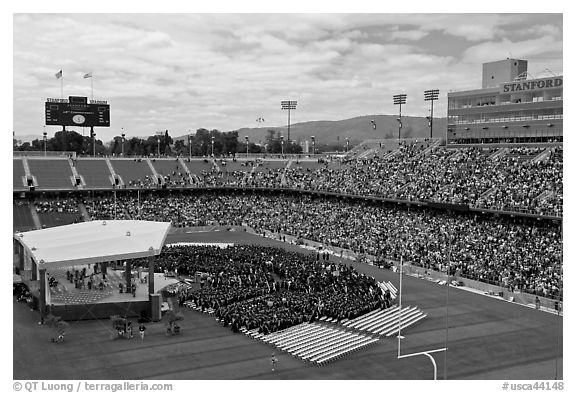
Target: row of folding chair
pixel 405 323
pixel 377 320
pixel 284 333
pixel 331 320
pixel 274 337
pixel 317 336
pixel 392 321
pixel 326 345
pixel 388 320
pixel 343 349
pixel 284 341
pixel 367 320
pixel 59 289
pixel 393 291
pixel 190 304
pixel 393 325
pixel 360 318
pixel 320 345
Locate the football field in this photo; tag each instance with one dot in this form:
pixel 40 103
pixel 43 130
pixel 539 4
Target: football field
pixel 487 339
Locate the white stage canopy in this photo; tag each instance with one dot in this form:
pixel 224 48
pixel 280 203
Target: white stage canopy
pixel 94 242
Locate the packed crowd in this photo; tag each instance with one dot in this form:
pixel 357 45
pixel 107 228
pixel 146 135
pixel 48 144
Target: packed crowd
pixel 470 176
pixel 461 176
pixel 269 288
pixel 523 256
pixel 68 205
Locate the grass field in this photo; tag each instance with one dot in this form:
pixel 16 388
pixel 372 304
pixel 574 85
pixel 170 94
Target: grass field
pixel 487 339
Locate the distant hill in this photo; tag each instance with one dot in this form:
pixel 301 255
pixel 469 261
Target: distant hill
pixel 357 129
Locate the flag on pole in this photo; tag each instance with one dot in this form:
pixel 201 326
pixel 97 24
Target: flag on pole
pixel 88 75
pixel 58 74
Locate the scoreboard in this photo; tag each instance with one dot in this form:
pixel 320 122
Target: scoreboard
pixel 77 111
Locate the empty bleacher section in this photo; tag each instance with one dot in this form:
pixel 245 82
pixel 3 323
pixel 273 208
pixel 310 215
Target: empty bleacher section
pixel 134 172
pixel 51 174
pixel 18 175
pixel 95 172
pixel 22 217
pixel 202 168
pixel 172 171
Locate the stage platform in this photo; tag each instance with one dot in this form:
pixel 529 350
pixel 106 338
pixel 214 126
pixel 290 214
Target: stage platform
pixel 65 292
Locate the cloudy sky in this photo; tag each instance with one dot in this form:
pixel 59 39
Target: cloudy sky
pixel 223 71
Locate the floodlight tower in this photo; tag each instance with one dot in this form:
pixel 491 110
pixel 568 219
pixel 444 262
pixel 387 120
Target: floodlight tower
pixel 399 99
pixel 93 142
pixel 289 105
pixel 189 144
pixel 431 95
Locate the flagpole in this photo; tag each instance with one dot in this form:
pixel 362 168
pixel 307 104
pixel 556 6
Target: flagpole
pixel 92 87
pixel 62 85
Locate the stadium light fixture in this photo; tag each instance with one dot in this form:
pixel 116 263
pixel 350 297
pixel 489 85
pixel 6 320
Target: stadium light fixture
pixel 189 144
pixel 399 99
pixel 431 95
pixel 289 105
pixel 313 144
pixel 93 142
pixel 123 139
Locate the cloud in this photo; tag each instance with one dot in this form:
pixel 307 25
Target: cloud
pixel 489 51
pixel 411 35
pixel 186 71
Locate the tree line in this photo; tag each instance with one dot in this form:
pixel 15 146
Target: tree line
pixel 203 143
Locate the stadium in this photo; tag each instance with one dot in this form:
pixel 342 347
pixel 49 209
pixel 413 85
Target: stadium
pixel 396 259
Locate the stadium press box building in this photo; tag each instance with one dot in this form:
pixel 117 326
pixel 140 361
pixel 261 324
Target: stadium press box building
pixel 509 108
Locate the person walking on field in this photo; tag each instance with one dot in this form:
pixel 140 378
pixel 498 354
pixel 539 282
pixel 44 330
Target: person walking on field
pixel 273 361
pixel 142 329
